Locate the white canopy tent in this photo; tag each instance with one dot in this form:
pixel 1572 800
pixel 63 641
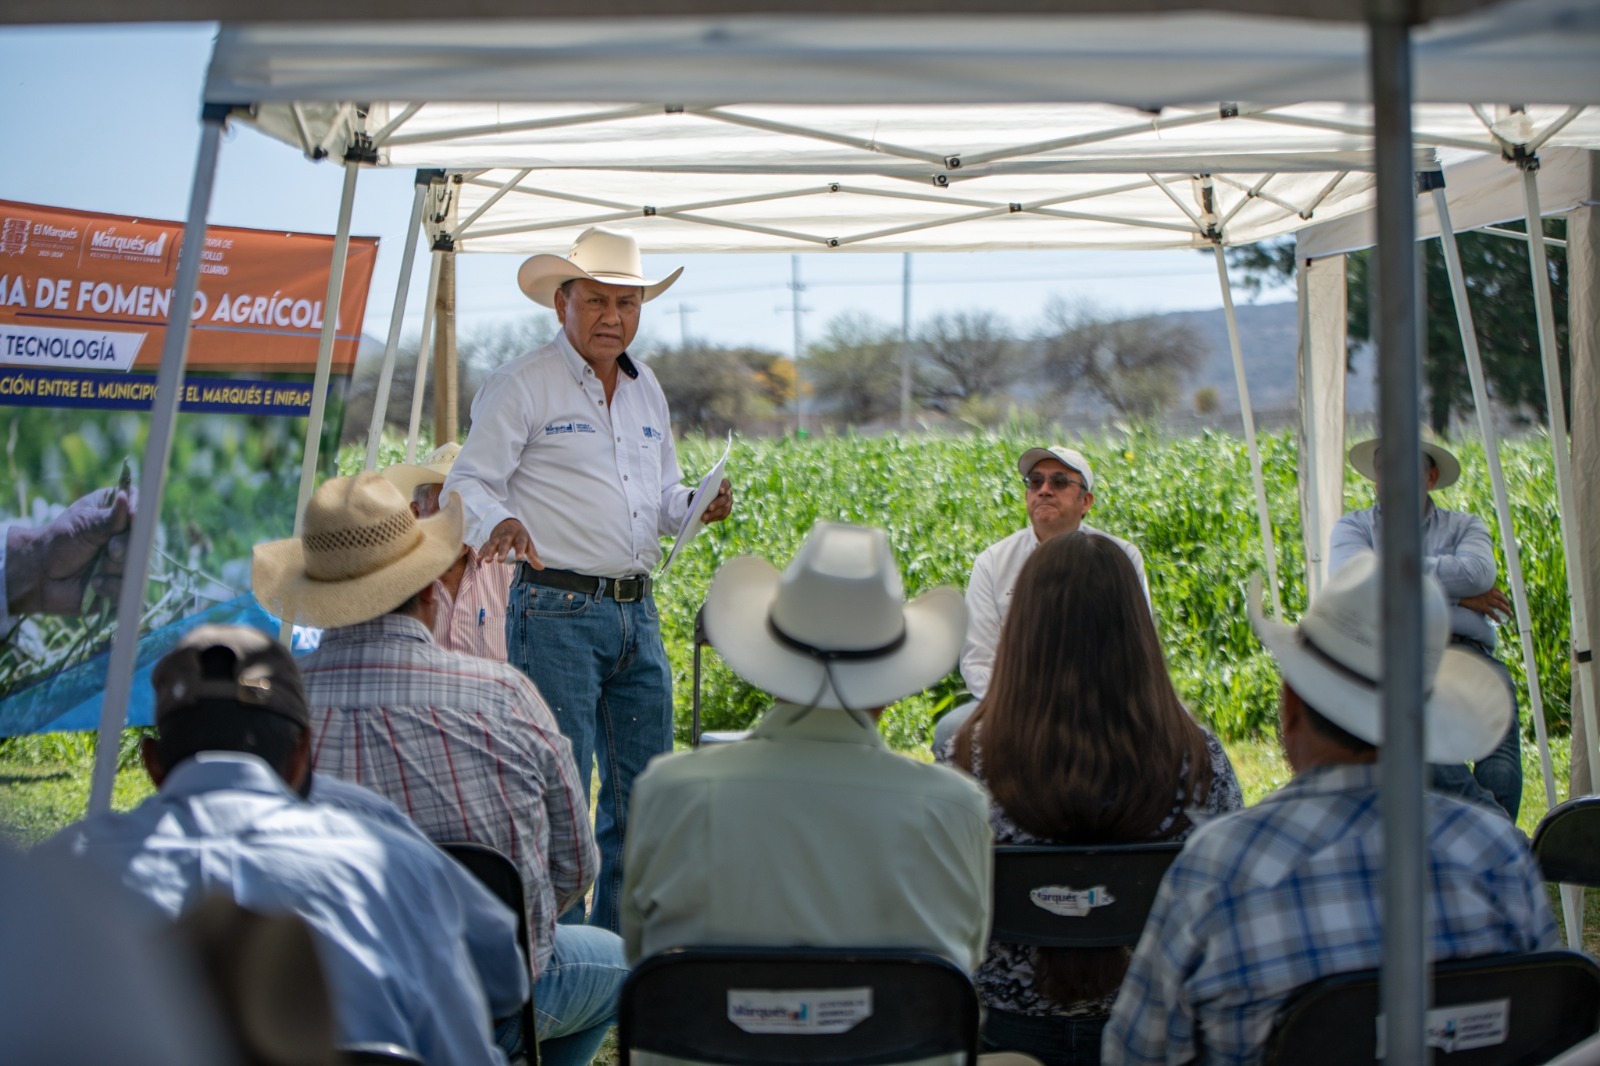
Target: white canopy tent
pixel 734 79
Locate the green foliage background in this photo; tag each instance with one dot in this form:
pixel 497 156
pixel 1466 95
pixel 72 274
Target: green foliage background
pixel 1187 503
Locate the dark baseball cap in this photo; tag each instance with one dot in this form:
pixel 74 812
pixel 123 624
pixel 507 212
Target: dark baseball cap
pixel 233 664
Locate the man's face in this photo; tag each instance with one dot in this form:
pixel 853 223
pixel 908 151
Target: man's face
pixel 599 320
pixel 1057 500
pixel 425 501
pixel 1430 475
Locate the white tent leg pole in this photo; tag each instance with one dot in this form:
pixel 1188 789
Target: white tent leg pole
pixel 1263 515
pixel 1571 543
pixel 1502 509
pixel 380 401
pixel 1321 285
pixel 319 388
pixel 153 471
pixel 1403 980
pixel 424 350
pixel 905 346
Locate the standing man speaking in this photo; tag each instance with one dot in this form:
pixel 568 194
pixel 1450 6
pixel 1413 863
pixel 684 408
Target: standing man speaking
pixel 570 467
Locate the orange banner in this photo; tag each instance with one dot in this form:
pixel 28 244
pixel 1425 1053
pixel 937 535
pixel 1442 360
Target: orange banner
pixel 81 290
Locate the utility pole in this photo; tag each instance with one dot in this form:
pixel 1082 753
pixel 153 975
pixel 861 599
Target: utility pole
pixel 683 324
pixel 799 379
pixel 905 346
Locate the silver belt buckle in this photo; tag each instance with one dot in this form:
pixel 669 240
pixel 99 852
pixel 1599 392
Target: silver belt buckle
pixel 628 589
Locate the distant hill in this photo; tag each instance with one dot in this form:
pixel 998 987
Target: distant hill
pixel 1269 339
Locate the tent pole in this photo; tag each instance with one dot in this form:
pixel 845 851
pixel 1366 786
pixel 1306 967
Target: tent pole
pixel 319 388
pixel 380 401
pixel 1502 506
pixel 153 470
pixel 446 368
pixel 420 385
pixel 1404 976
pixel 1571 542
pixel 1263 515
pixel 1321 285
pixel 799 381
pixel 905 346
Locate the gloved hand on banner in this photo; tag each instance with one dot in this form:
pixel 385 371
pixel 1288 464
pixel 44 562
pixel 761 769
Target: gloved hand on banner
pixel 53 569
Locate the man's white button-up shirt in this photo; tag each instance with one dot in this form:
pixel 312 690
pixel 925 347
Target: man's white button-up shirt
pixel 597 486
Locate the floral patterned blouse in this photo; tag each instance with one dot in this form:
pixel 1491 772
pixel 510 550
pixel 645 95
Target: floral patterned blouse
pixel 1005 977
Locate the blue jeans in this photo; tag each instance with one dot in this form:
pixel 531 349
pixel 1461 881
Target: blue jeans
pixel 1496 779
pixel 1052 1039
pixel 601 667
pixel 575 998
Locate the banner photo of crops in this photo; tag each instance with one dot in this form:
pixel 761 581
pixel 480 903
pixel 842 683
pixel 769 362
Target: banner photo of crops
pixel 73 443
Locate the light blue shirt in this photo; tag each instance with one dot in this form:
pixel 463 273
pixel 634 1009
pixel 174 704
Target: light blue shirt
pixel 390 925
pixel 1456 550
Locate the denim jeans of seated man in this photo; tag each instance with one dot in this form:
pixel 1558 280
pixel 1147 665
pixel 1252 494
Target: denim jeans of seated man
pixel 575 998
pixel 1052 1039
pixel 1496 779
pixel 601 667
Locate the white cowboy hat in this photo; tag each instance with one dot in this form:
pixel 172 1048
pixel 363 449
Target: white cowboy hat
pixel 433 469
pixel 362 555
pixel 833 630
pixel 599 254
pixel 1364 457
pixel 1071 458
pixel 1333 659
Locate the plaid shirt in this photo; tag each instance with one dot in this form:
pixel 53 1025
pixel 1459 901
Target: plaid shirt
pixel 1265 900
pixel 466 747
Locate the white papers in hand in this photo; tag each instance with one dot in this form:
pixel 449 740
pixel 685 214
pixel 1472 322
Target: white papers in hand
pixel 692 525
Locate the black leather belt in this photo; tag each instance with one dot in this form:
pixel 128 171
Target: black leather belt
pixel 630 589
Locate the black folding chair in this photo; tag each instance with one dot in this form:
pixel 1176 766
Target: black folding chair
pixel 1567 842
pixel 788 1006
pixel 1076 896
pixel 499 875
pixel 1500 1010
pixel 375 1055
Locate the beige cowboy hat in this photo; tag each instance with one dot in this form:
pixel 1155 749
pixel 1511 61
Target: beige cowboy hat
pixel 1334 658
pixel 1364 457
pixel 599 254
pixel 834 629
pixel 363 553
pixel 433 469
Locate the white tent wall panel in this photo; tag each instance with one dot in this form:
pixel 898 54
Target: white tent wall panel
pixel 1322 374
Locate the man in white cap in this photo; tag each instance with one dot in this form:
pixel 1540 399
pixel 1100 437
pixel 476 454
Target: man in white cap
pixel 1059 483
pixel 1458 552
pixel 471 616
pixel 811 832
pixel 465 746
pixel 571 468
pixel 1270 898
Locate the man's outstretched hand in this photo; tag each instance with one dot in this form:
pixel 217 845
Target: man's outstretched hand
pixel 52 569
pixel 509 542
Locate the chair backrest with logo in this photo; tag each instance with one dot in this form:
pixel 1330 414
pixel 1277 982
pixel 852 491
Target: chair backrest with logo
pixel 1089 896
pixel 776 1006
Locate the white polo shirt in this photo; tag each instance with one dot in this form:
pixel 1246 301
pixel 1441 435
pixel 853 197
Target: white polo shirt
pixel 596 485
pixel 994 578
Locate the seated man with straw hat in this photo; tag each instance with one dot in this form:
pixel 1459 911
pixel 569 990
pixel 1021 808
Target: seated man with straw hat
pixel 1270 898
pixel 811 832
pixel 465 746
pixel 471 616
pixel 1458 552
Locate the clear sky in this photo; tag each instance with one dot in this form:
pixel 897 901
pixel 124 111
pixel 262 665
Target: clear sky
pixel 107 119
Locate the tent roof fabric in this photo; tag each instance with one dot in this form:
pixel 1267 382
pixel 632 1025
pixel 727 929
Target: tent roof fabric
pixel 1534 51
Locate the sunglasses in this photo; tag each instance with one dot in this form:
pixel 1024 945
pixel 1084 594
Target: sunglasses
pixel 1059 482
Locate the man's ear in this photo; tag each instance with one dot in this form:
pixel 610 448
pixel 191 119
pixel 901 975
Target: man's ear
pixel 561 305
pixel 152 762
pixel 416 512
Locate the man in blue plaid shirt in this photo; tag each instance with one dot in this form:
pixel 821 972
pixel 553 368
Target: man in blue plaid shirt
pixel 1265 900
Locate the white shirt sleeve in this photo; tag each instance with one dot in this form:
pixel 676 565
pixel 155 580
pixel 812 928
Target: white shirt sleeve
pixel 983 626
pixel 502 420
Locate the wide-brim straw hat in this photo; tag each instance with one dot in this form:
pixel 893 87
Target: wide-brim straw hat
pixel 838 609
pixel 600 254
pixel 1334 660
pixel 363 553
pixel 432 470
pixel 1364 457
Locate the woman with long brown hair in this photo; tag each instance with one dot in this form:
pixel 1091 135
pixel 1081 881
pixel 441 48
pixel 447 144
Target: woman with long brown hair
pixel 1081 739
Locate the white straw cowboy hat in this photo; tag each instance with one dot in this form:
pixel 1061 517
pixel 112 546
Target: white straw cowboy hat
pixel 1364 457
pixel 599 254
pixel 833 630
pixel 1333 659
pixel 433 469
pixel 363 553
